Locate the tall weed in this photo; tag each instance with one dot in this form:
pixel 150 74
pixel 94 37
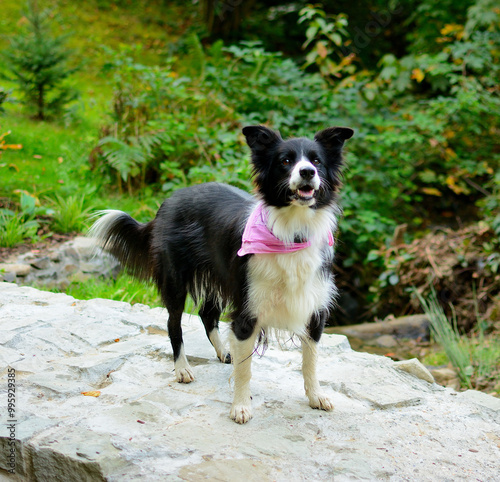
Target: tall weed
pixel 475 358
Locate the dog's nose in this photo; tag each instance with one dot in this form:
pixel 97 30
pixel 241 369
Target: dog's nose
pixel 307 172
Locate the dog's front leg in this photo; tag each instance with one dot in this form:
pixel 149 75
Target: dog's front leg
pixel 241 352
pixel 309 363
pixel 313 391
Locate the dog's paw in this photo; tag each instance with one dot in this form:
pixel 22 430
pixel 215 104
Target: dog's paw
pixel 184 375
pixel 321 402
pixel 241 413
pixel 225 358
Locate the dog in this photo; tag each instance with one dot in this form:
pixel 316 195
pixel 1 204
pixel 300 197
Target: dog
pixel 267 257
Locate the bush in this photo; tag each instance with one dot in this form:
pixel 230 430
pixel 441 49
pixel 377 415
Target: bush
pixel 426 126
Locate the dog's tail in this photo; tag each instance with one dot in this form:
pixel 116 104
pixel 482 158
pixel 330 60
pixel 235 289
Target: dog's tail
pixel 126 239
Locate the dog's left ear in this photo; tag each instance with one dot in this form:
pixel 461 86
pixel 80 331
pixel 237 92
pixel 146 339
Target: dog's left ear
pixel 260 137
pixel 333 137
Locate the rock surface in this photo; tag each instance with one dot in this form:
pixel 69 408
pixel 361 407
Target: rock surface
pixel 387 424
pixel 413 326
pixel 77 259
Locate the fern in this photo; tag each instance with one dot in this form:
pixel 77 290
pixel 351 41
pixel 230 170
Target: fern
pixel 197 55
pixel 130 156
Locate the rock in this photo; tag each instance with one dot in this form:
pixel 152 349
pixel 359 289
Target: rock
pixel 8 277
pixel 41 263
pixel 415 326
pixel 76 258
pixel 16 269
pixel 414 367
pixel 84 246
pixel 446 377
pixel 443 375
pixel 482 399
pixel 388 424
pixel 386 341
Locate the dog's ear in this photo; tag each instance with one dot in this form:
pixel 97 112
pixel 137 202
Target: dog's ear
pixel 333 137
pixel 260 137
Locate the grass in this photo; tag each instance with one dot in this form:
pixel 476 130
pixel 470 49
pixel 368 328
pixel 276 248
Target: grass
pixel 123 288
pixel 14 229
pixel 476 357
pixel 70 214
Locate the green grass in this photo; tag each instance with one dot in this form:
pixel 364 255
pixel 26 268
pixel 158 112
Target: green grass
pixel 475 357
pixel 14 229
pixel 437 358
pixel 123 288
pixel 70 214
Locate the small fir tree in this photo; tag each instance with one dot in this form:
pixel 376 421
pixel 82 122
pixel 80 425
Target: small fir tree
pixel 38 61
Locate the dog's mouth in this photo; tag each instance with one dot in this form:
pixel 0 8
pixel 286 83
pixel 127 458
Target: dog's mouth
pixel 304 193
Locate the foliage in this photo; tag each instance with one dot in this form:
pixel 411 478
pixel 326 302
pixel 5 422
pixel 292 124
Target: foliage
pixel 422 94
pixel 70 214
pixel 38 62
pixel 4 94
pixel 325 37
pixel 476 358
pixel 15 227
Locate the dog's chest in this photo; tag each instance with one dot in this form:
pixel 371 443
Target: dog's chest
pixel 286 289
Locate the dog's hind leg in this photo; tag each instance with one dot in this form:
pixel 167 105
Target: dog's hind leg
pixel 242 348
pixel 209 313
pixel 174 301
pixel 309 364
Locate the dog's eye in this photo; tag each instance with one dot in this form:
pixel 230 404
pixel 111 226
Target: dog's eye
pixel 285 162
pixel 316 162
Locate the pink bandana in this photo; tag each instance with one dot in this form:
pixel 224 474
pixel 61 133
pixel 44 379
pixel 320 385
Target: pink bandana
pixel 258 238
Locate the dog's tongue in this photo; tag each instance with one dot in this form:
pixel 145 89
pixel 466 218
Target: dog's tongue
pixel 306 193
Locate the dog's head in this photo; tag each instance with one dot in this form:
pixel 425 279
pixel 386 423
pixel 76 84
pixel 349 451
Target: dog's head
pixel 299 171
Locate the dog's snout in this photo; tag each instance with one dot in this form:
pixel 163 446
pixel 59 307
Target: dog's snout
pixel 307 173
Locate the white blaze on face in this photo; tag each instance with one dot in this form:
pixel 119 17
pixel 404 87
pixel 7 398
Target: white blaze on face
pixel 299 179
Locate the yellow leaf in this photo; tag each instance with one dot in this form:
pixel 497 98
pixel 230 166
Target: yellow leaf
pixel 450 153
pixel 418 75
pixel 431 191
pixel 322 50
pixel 451 182
pixel 92 393
pixel 452 28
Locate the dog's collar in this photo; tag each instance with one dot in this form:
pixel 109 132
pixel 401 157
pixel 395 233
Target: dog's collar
pixel 258 238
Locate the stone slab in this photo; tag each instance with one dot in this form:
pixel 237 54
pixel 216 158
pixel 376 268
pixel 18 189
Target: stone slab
pixel 387 424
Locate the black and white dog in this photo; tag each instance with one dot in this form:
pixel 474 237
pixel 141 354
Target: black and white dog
pixel 268 257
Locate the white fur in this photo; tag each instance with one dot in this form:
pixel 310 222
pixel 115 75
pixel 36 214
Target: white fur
pixel 311 384
pixel 241 351
pixel 215 339
pixel 183 371
pixel 296 179
pixel 99 229
pixel 288 222
pixel 286 289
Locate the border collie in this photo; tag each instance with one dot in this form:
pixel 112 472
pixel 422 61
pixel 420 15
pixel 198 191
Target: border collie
pixel 268 258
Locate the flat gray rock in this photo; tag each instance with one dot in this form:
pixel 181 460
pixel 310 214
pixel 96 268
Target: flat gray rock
pixel 387 424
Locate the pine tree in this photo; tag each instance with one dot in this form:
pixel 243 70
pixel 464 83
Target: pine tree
pixel 38 61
